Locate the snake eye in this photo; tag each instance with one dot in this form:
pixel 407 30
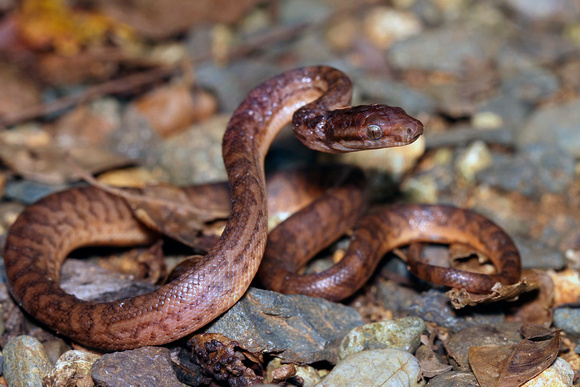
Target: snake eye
pixel 374 132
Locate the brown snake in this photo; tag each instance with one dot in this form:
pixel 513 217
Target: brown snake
pixel 47 231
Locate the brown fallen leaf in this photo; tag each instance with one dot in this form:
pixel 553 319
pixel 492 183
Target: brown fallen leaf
pixel 48 164
pixel 514 365
pixel 535 307
pixel 461 298
pixel 170 109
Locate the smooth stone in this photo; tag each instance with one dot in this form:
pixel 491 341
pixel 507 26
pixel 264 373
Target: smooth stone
pixel 538 255
pixel 530 84
pixel 403 334
pixel 25 362
pixel 378 367
pixel 557 125
pixel 297 328
pixel 559 374
pixel 28 191
pixel 146 366
pixel 511 111
pixel 542 10
pixel 567 319
pixel 454 379
pixel 473 159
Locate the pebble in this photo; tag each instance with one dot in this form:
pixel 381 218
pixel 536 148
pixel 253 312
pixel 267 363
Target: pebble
pixel 385 25
pixel 473 159
pixel 146 366
pixel 73 368
pixel 530 84
pixel 567 319
pixel 195 155
pixel 559 374
pixel 557 125
pixel 443 49
pixel 454 379
pixel 533 171
pixel 297 328
pixel 543 10
pixel 25 362
pixel 510 111
pixel 403 334
pixel 28 191
pixel 378 367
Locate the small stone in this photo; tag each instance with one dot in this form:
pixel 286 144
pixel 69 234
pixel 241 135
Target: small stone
pixel 28 191
pixel 472 160
pixel 559 374
pixel 25 362
pixel 454 379
pixel 560 121
pixel 55 348
pixel 146 366
pixel 384 25
pixel 567 319
pixel 422 189
pixel 541 10
pixel 299 329
pixel 309 375
pixel 403 334
pixel 530 84
pixel 487 120
pixel 72 369
pixel 378 367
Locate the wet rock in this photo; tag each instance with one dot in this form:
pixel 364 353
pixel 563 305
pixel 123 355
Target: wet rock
pixel 146 366
pixel 567 319
pixel 403 334
pixel 72 369
pixel 454 379
pixel 496 334
pixel 444 49
pixel 297 328
pixel 378 367
pixel 557 125
pixel 25 362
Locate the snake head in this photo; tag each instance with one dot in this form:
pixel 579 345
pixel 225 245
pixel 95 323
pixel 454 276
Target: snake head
pixel 370 127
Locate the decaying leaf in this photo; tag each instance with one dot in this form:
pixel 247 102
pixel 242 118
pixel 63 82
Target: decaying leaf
pixel 224 360
pixel 514 365
pixel 48 164
pixel 460 297
pixel 148 265
pixel 535 307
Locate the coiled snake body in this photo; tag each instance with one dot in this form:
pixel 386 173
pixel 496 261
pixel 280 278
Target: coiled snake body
pixel 46 232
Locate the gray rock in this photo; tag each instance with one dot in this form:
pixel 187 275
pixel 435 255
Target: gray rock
pixel 454 379
pixel 380 90
pixel 567 319
pixel 146 366
pixel 542 10
pixel 300 11
pixel 557 125
pixel 25 362
pixel 530 84
pixel 403 334
pixel 28 191
pixel 444 49
pixel 535 170
pixel 297 328
pixel 511 110
pixel 72 369
pixel 378 367
pixel 536 255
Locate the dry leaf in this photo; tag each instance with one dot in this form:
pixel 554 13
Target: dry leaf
pixel 535 307
pixel 514 365
pixel 148 264
pixel 461 298
pixel 170 109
